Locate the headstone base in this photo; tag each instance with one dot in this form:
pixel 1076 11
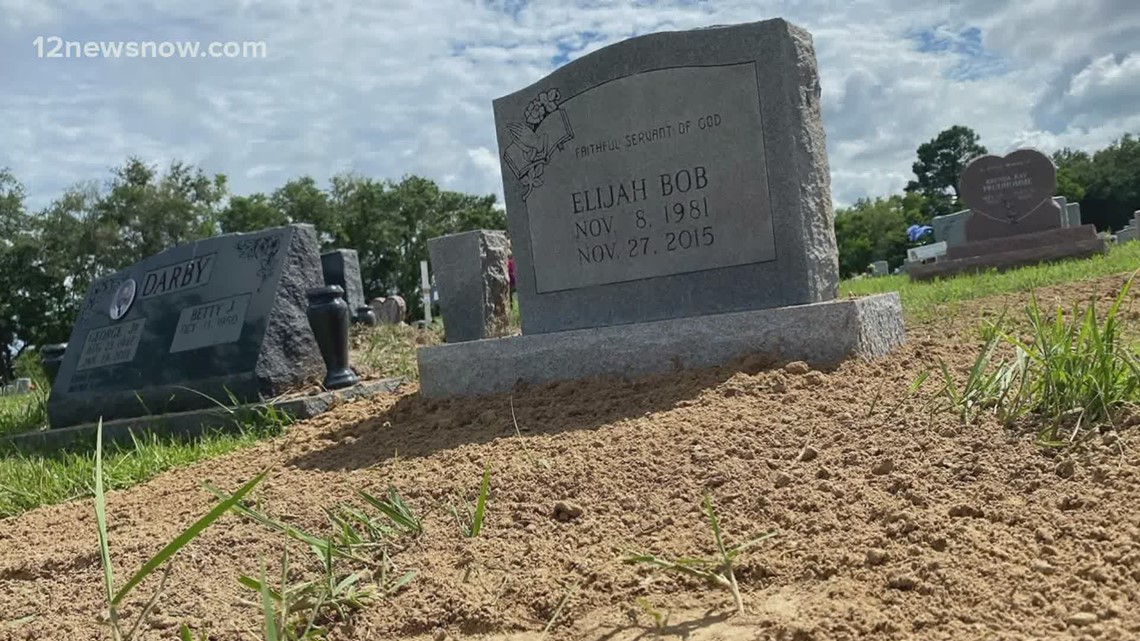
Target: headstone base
pixel 822 334
pixel 198 422
pixel 1014 251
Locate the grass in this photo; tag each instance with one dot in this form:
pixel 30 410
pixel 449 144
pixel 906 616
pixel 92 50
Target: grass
pixel 390 350
pixel 716 571
pixel 926 300
pixel 1069 371
pixel 23 413
pixel 31 479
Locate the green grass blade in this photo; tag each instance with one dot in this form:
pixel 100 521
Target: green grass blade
pixel 267 608
pixel 101 517
pixel 481 504
pixel 188 535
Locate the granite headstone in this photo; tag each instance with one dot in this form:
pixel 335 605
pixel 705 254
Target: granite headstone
pixel 192 325
pixel 671 175
pixel 1073 215
pixel 471 271
pixel 390 310
pixel 951 228
pixel 1010 195
pixel 341 267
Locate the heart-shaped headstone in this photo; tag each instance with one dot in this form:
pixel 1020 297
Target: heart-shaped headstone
pixel 1007 189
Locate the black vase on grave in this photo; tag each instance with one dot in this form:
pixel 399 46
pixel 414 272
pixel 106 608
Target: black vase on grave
pixel 52 356
pixel 365 315
pixel 329 319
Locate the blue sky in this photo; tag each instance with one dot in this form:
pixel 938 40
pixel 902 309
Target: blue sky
pixel 394 87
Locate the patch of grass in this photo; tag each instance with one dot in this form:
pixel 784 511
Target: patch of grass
pixel 716 571
pixel 114 598
pixel 23 413
pixel 389 351
pixel 471 523
pixel 1072 372
pixel 31 479
pixel 926 300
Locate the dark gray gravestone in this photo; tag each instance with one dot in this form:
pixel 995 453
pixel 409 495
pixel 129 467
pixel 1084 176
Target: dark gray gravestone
pixel 1010 195
pixel 342 267
pixel 671 175
pixel 222 316
pixel 475 290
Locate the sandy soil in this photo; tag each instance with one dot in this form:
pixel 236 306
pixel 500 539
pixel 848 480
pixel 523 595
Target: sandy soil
pixel 894 523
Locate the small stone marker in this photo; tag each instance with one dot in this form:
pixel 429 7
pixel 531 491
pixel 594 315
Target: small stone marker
pixel 924 253
pixel 670 175
pixel 390 310
pixel 1072 214
pixel 669 205
pixel 880 268
pixel 951 228
pixel 223 315
pixel 1010 195
pixel 471 271
pixel 23 386
pixel 341 267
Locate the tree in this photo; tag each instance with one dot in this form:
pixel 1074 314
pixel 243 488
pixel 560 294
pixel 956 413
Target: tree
pixel 250 213
pixel 873 230
pixel 1110 179
pixel 939 165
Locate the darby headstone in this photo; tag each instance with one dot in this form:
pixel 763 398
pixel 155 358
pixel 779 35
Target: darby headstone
pixel 341 267
pixel 471 272
pixel 192 325
pixel 671 175
pixel 1010 195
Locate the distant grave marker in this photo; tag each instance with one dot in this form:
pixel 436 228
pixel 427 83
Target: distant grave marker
pixel 1009 195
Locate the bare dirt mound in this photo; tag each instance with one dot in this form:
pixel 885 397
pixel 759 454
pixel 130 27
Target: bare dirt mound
pixel 894 523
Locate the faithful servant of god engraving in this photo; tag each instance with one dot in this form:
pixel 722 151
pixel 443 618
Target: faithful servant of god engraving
pixel 656 173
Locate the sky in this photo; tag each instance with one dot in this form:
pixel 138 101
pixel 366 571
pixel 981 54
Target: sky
pixel 390 88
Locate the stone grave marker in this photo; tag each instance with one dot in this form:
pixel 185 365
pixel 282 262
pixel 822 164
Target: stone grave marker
pixel 669 205
pixel 1073 215
pixel 671 175
pixel 1010 195
pixel 924 253
pixel 222 315
pixel 341 267
pixel 471 272
pixel 390 310
pixel 951 228
pixel 880 268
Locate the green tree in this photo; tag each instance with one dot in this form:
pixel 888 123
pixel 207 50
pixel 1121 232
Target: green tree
pixel 873 230
pixel 939 165
pixel 250 213
pixel 389 224
pixel 1110 179
pixel 301 200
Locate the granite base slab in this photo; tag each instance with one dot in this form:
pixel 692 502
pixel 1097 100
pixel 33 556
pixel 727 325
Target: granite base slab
pixel 1039 247
pixel 822 334
pixel 197 422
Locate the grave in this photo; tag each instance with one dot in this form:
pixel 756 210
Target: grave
pixel 1013 220
pixel 341 267
pixel 191 326
pixel 880 268
pixel 1072 214
pixel 390 310
pixel 471 271
pixel 951 228
pixel 926 253
pixel 669 205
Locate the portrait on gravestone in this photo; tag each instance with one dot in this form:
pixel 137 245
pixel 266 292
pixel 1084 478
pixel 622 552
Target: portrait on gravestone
pixel 190 326
pixel 1010 195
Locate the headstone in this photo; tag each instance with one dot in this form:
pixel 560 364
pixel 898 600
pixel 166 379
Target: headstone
pixel 23 386
pixel 341 267
pixel 880 268
pixel 1127 234
pixel 192 325
pixel 670 175
pixel 1010 195
pixel 925 253
pixel 390 310
pixel 471 270
pixel 669 206
pixel 951 228
pixel 1073 215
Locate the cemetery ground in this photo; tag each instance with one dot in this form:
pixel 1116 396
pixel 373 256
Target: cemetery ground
pixel 902 508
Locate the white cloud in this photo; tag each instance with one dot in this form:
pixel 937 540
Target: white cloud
pixel 390 88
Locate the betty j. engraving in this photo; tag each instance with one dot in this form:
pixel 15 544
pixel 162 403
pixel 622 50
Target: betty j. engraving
pixel 111 345
pixel 123 299
pixel 212 323
pixel 676 185
pixel 179 277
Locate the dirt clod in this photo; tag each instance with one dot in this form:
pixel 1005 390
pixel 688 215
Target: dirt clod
pixel 798 368
pixel 885 466
pixel 564 511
